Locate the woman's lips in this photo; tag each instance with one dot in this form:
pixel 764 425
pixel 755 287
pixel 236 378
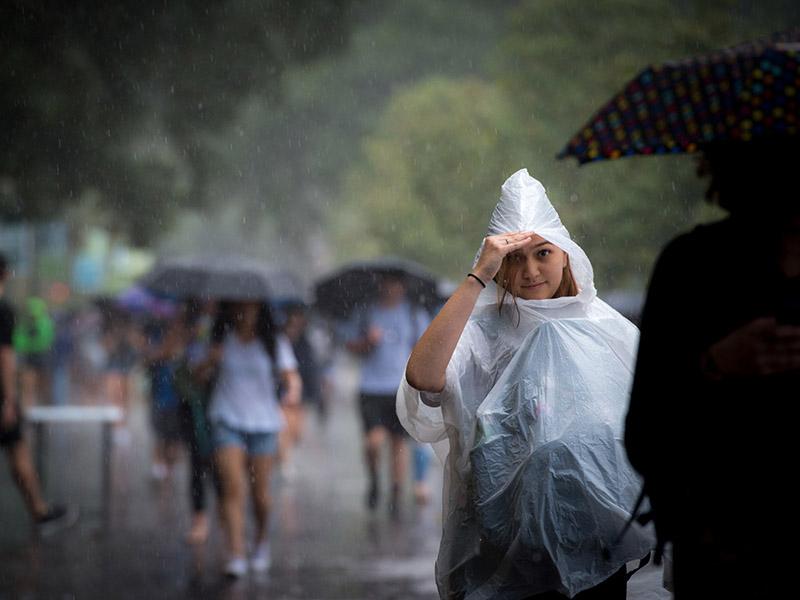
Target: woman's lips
pixel 530 286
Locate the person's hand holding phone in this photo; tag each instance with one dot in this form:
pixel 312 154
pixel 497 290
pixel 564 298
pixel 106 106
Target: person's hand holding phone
pixel 762 347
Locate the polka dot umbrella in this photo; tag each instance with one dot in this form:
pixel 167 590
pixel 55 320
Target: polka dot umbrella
pixel 739 93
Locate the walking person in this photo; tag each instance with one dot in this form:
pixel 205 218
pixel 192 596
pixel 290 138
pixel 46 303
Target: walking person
pixel 521 383
pixel 121 355
pixel 422 455
pixel 296 331
pixel 194 396
pixel 162 363
pixel 252 360
pixel 33 340
pixel 384 336
pixel 47 518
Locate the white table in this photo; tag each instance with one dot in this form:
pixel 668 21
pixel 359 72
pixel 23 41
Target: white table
pixel 41 417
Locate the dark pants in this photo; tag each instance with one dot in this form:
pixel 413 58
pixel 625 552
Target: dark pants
pixel 11 436
pixel 200 460
pixel 379 411
pixel 613 588
pixel 202 474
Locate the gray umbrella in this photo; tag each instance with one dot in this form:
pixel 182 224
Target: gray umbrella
pixel 222 277
pixel 286 287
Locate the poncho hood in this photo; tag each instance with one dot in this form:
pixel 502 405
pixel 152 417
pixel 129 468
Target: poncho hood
pixel 524 206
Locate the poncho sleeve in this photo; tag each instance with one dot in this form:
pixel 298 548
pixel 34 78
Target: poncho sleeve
pixel 426 416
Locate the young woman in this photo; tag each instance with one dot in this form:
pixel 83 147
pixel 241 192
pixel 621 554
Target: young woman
pixel 252 361
pixel 521 383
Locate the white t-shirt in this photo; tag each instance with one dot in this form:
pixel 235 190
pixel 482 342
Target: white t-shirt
pixel 245 396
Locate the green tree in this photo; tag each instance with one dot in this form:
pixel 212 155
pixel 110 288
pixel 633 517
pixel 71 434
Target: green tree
pixel 430 174
pixel 285 160
pixel 92 92
pixel 562 60
pixel 430 169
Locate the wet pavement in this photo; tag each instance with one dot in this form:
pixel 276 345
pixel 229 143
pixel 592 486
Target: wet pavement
pixel 325 544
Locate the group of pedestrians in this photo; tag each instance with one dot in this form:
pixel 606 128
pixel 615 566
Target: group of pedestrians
pixel 228 386
pixel 521 384
pixel 225 383
pixel 242 382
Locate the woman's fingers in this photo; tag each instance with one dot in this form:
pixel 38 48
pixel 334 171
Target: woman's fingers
pixel 513 245
pixel 496 247
pixel 504 240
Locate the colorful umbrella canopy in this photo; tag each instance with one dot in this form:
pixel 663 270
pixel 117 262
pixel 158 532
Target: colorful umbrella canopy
pixel 136 299
pixel 739 93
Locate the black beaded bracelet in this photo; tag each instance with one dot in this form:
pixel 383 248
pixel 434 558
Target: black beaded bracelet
pixel 476 278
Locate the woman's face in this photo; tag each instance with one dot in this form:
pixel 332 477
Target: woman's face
pixel 246 315
pixel 536 269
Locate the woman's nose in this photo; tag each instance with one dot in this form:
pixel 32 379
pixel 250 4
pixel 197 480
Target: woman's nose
pixel 530 269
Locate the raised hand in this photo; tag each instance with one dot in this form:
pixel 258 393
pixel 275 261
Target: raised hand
pixel 495 248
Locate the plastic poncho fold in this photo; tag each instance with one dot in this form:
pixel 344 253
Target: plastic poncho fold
pixel 529 426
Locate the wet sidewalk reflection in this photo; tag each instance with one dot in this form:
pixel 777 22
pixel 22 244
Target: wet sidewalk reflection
pixel 325 544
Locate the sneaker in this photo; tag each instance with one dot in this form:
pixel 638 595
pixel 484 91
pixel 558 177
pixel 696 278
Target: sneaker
pixel 262 558
pixel 56 518
pixel 236 567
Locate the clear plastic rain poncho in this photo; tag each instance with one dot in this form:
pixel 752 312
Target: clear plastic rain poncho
pixel 529 426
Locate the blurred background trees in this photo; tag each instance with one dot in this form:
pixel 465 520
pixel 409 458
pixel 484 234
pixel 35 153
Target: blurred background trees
pixel 121 98
pixel 315 131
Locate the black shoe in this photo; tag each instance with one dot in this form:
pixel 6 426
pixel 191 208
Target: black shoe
pixel 56 518
pixel 373 495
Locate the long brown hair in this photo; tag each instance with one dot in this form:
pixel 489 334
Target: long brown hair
pixel 507 276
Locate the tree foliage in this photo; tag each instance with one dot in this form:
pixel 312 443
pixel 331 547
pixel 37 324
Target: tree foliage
pixel 285 161
pixel 121 97
pixel 559 61
pixel 428 170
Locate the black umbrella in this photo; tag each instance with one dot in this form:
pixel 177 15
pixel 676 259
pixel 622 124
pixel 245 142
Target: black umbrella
pixel 286 287
pixel 356 285
pixel 222 277
pixel 741 93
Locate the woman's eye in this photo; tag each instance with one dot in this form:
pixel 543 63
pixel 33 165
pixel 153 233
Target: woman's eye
pixel 544 252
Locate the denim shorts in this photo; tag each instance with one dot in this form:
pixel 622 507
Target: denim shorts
pixel 252 442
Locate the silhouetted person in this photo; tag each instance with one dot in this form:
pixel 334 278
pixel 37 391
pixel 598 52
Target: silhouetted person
pixel 195 396
pixel 717 375
pixel 47 518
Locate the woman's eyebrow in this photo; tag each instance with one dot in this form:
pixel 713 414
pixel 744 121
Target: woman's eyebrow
pixel 541 244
